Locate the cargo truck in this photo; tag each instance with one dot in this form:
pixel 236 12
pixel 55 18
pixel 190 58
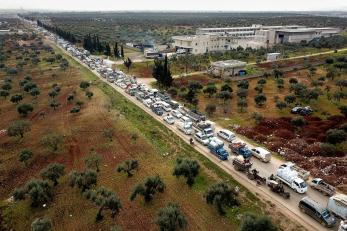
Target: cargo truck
pixel 216 147
pixel 205 127
pixel 337 205
pixel 241 149
pixel 290 177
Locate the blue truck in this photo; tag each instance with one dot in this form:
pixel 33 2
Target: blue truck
pixel 216 147
pixel 241 149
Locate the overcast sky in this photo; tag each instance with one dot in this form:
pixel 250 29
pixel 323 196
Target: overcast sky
pixel 173 5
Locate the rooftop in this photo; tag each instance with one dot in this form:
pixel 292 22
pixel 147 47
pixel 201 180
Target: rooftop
pixel 229 64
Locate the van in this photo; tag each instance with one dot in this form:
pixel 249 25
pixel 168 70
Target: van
pixel 226 134
pixel 317 212
pixel 262 154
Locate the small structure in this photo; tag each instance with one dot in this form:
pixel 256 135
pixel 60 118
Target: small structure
pixel 228 68
pixel 272 56
pixel 151 53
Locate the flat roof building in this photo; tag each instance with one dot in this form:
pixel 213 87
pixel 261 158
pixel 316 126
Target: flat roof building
pixel 255 36
pixel 227 68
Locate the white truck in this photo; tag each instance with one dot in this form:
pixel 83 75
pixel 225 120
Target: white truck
pixel 290 177
pixel 337 205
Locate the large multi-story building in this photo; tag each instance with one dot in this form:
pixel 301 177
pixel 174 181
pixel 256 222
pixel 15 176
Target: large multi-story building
pixel 255 36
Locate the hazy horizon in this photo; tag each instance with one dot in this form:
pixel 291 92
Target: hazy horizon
pixel 177 5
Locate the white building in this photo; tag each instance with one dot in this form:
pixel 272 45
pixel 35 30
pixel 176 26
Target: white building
pixel 255 36
pixel 227 68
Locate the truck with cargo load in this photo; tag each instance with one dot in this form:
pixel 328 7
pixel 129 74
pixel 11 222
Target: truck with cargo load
pixel 337 205
pixel 322 186
pixel 216 147
pixel 205 127
pixel 241 164
pixel 240 149
pixel 290 177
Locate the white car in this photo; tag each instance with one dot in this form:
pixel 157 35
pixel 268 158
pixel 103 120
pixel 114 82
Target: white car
pixel 201 138
pixel 169 119
pixel 226 134
pixel 176 114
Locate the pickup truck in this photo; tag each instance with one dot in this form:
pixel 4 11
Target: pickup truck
pixel 322 187
pixel 205 127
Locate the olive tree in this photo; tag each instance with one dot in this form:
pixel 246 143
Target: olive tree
pixel 171 218
pixel 128 167
pixel 53 172
pixel 19 128
pixel 83 180
pixel 16 98
pixel 187 168
pixel 25 155
pixel 260 99
pixel 106 200
pixel 108 133
pixel 24 109
pixel 93 161
pixel 41 224
pixel 52 141
pixel 84 85
pixel 89 94
pixel 221 195
pixel 254 223
pixel 4 93
pixel 39 192
pixel 335 136
pixel 149 188
pixel 210 109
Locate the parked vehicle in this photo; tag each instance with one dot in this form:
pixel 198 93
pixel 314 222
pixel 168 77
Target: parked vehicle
pixel 217 148
pixel 169 119
pixel 139 95
pixel 277 187
pixel 343 226
pixel 176 114
pixel 147 102
pixel 337 204
pixel 165 106
pixel 241 164
pixel 322 187
pixel 262 154
pixel 185 128
pixel 304 111
pixel 174 105
pixel 196 116
pixel 240 149
pixel 290 177
pixel 201 138
pixel 316 211
pixel 205 127
pixel 226 134
pixel 157 110
pixel 186 120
